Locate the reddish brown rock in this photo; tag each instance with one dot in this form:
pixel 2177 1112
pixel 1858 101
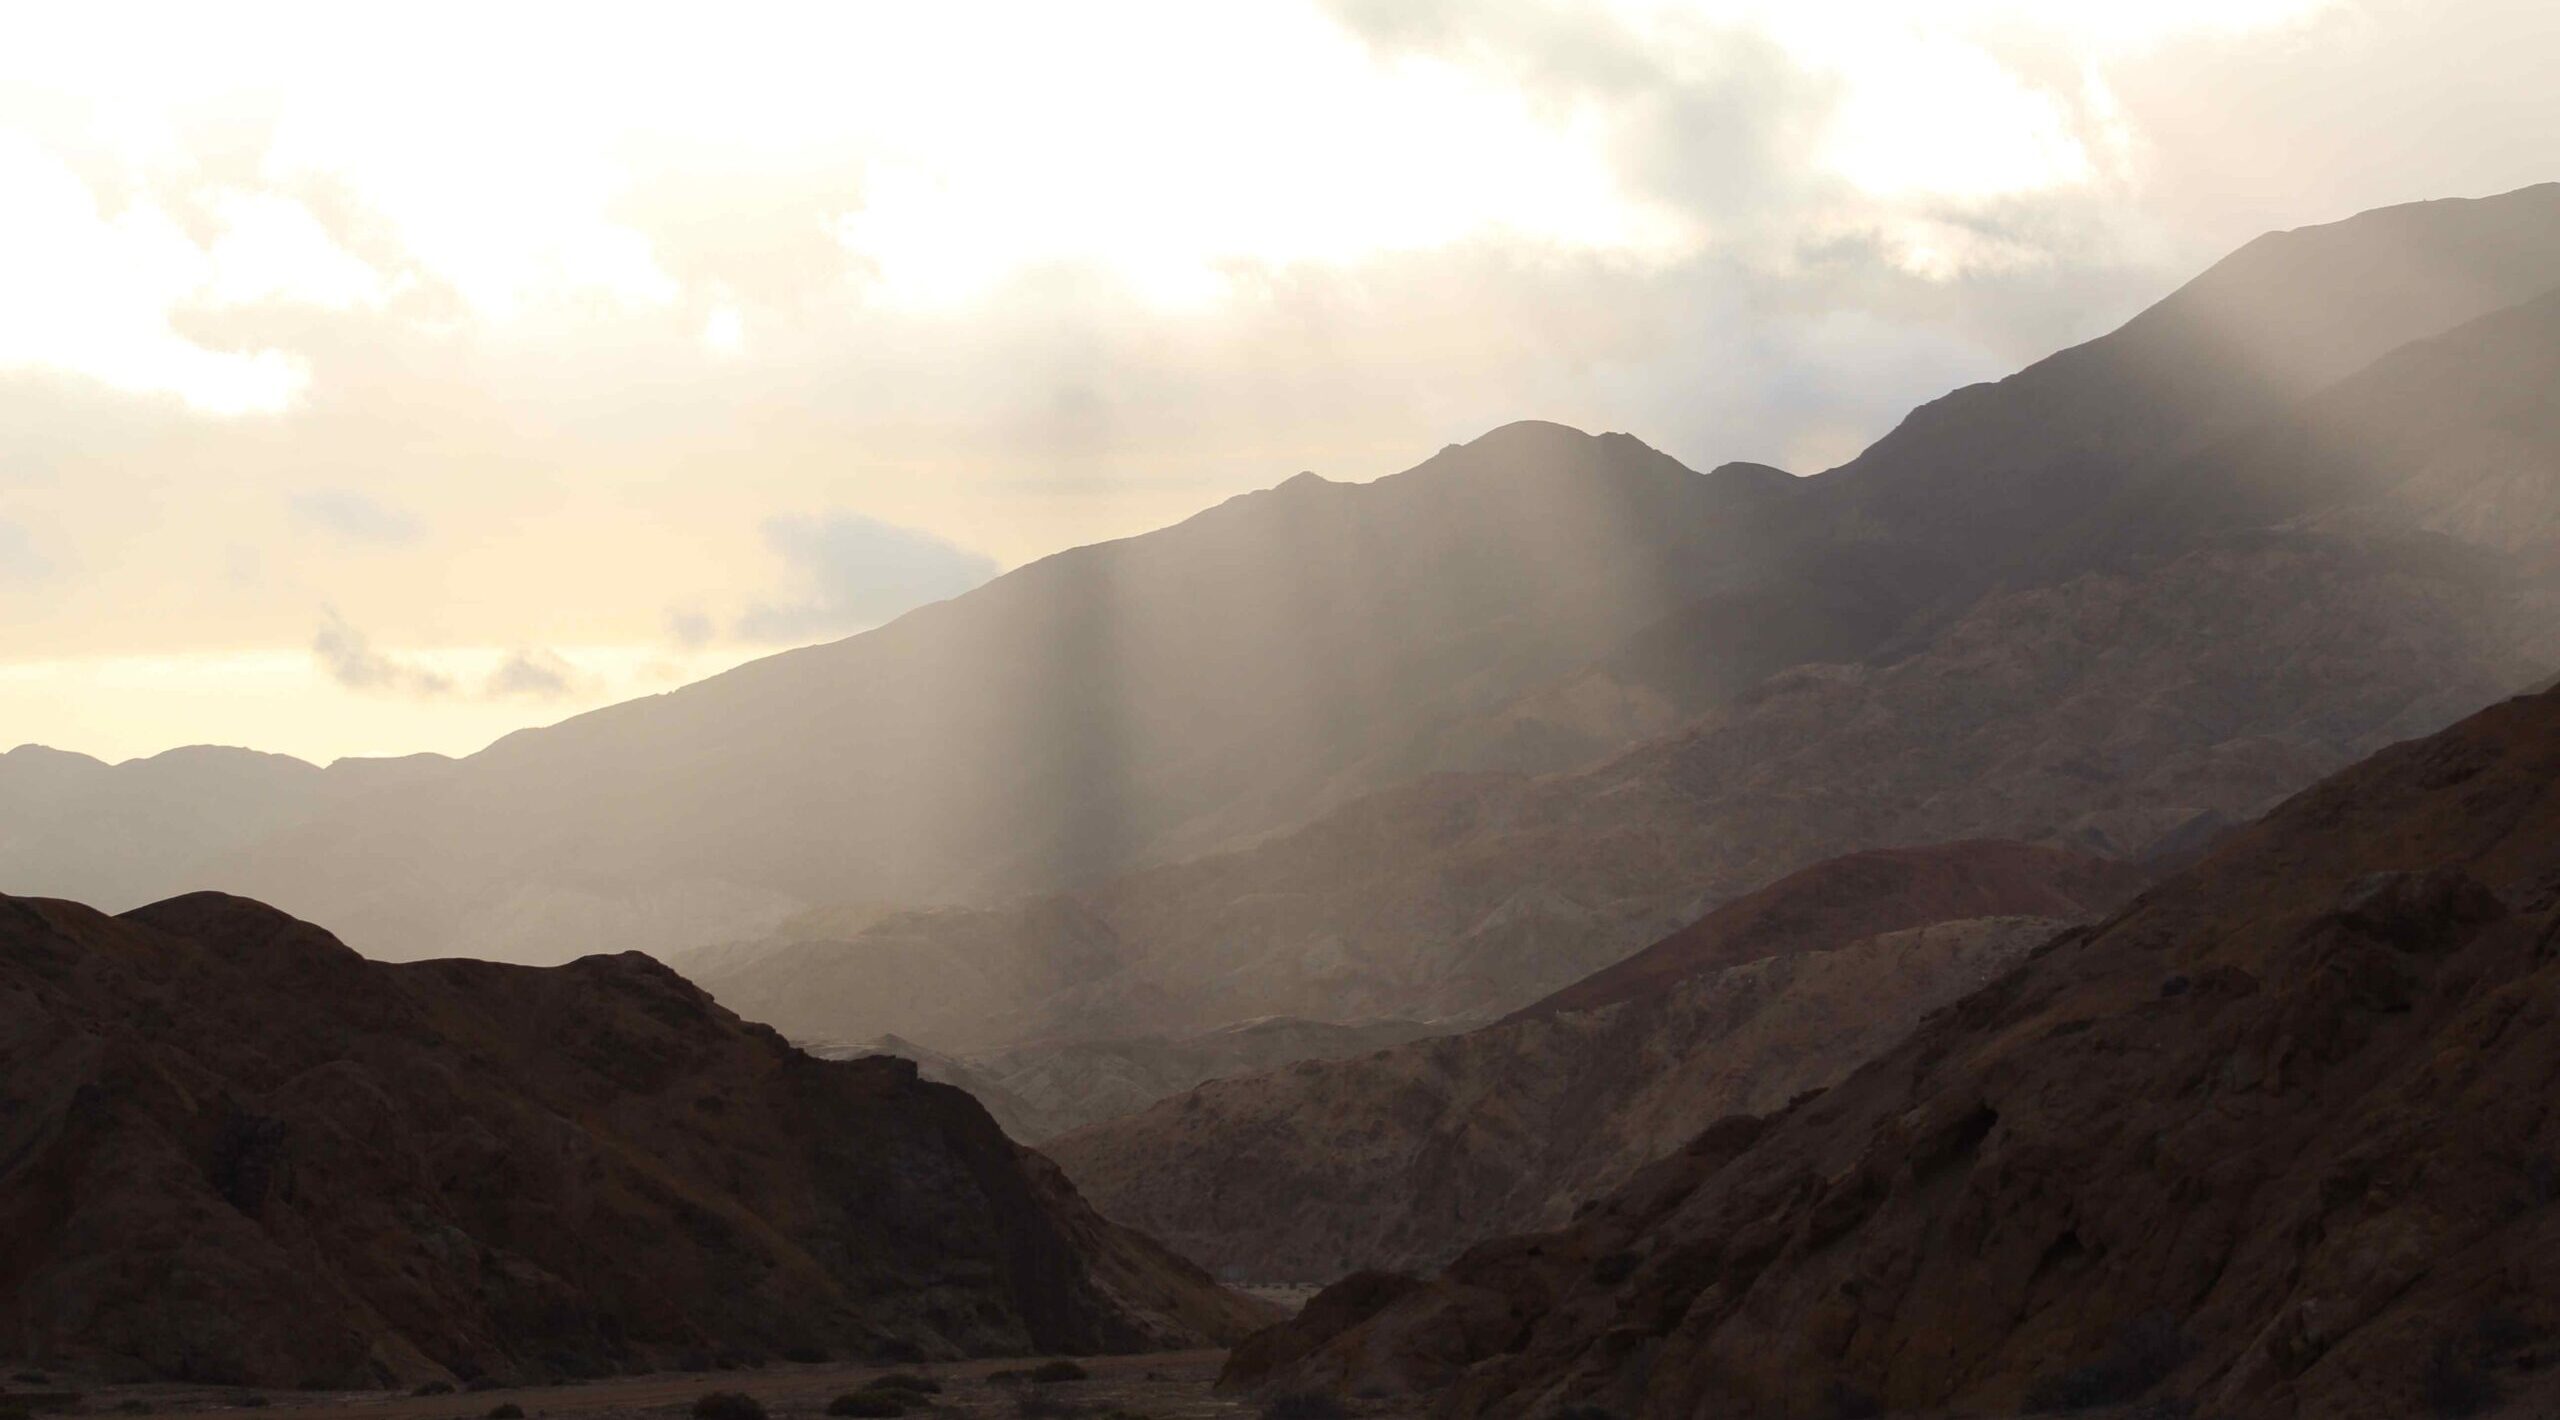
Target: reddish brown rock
pixel 231 1149
pixel 1403 1157
pixel 2280 1138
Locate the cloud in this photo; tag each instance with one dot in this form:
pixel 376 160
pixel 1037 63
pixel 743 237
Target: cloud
pixel 690 629
pixel 533 674
pixel 857 572
pixel 350 660
pixel 356 516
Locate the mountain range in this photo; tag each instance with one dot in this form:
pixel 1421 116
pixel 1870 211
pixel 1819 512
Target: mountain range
pixel 2201 580
pixel 1538 602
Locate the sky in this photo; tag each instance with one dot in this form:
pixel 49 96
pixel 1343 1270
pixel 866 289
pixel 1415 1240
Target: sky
pixel 380 379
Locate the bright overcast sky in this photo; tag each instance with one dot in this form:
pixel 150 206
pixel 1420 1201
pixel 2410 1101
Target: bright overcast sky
pixel 377 381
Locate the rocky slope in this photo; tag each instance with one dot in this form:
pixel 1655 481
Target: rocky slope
pixel 1402 1157
pixel 233 1150
pixel 2207 634
pixel 2277 1138
pixel 1044 1089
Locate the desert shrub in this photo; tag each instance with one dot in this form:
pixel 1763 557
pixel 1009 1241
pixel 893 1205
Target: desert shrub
pixel 32 1378
pixel 433 1388
pixel 506 1410
pixel 52 1402
pixel 1617 1267
pixel 253 1402
pixel 1052 1372
pixel 907 1381
pixel 1304 1405
pixel 479 1384
pixel 869 1404
pixel 1032 1405
pixel 133 1407
pixel 1008 1377
pixel 2452 1386
pixel 728 1405
pixel 2144 1352
pixel 1584 1412
pixel 805 1355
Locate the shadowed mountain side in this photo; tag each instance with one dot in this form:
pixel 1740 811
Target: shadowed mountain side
pixel 236 1151
pixel 1402 1157
pixel 2278 1138
pixel 1858 895
pixel 1044 1089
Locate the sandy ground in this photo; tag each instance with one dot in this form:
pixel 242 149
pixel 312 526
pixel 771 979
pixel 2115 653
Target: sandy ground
pixel 1162 1386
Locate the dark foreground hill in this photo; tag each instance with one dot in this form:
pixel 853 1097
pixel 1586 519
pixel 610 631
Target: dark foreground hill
pixel 231 1149
pixel 1403 1157
pixel 2278 1138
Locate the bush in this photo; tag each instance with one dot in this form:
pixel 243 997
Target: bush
pixel 728 1405
pixel 1007 1377
pixel 434 1388
pixel 869 1404
pixel 506 1410
pixel 907 1381
pixel 2144 1352
pixel 805 1355
pixel 253 1402
pixel 1032 1405
pixel 479 1384
pixel 1304 1405
pixel 1052 1372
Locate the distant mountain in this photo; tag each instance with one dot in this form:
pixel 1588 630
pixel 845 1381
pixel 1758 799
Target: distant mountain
pixel 1402 1157
pixel 2194 588
pixel 1134 701
pixel 125 834
pixel 2276 1141
pixel 1044 1089
pixel 235 1151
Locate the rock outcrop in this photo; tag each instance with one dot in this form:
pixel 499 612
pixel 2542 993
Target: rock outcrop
pixel 2277 1139
pixel 1403 1157
pixel 233 1150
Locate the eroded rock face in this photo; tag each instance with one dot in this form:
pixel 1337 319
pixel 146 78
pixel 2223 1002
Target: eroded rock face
pixel 1403 1157
pixel 234 1150
pixel 2278 1138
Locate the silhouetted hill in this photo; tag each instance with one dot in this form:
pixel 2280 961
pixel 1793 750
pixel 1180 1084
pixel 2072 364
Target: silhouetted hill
pixel 2276 1138
pixel 233 1150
